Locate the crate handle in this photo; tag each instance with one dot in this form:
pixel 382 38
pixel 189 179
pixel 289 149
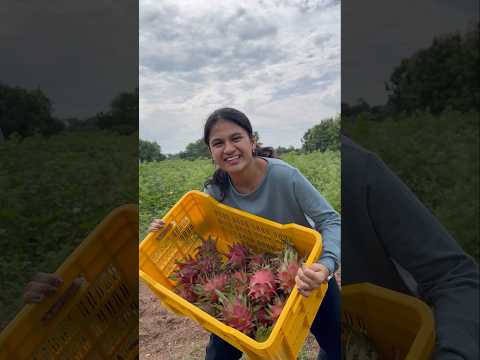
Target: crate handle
pixel 167 229
pixel 62 300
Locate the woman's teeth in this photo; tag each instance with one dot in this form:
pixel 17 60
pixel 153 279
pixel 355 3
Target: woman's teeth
pixel 232 158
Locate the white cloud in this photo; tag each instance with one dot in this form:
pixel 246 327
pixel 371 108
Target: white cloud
pixel 277 61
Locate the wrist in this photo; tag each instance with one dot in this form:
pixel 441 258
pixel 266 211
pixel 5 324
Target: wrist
pixel 329 266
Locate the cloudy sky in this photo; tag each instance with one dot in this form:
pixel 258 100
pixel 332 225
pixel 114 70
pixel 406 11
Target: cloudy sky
pixel 80 54
pixel 276 60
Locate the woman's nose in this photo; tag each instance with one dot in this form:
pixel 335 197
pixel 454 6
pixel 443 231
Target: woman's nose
pixel 229 147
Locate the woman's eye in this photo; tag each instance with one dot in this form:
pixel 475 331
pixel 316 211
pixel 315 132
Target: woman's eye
pixel 236 139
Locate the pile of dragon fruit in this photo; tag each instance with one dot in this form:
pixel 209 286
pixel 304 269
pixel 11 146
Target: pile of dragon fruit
pixel 244 290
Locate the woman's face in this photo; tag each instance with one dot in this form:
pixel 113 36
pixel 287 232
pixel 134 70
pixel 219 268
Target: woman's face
pixel 230 146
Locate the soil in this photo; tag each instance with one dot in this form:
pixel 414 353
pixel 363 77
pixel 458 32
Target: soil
pixel 165 336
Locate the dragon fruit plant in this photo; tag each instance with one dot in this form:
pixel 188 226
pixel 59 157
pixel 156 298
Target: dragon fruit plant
pixel 243 289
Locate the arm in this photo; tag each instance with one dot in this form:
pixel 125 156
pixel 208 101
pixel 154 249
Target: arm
pixel 326 219
pixel 447 277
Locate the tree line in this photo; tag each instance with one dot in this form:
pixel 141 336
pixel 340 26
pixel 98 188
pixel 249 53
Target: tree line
pixel 26 112
pixel 321 137
pixel 443 77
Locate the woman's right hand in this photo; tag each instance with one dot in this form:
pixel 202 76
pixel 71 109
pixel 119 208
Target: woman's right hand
pixel 157 224
pixel 41 286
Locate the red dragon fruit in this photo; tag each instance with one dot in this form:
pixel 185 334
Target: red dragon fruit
pixel 263 317
pixel 208 291
pixel 237 256
pixel 247 291
pixel 187 271
pixel 207 248
pixel 186 292
pixel 237 314
pixel 288 269
pixel 275 310
pixel 286 277
pixel 257 262
pixel 239 283
pixel 262 286
pixel 209 258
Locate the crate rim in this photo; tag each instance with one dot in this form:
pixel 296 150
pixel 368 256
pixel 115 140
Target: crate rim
pixel 242 213
pixel 424 335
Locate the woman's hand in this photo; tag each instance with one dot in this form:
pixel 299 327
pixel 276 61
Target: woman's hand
pixel 41 286
pixel 309 279
pixel 157 224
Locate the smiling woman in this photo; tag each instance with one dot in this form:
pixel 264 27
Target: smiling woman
pixel 249 178
pixel 229 137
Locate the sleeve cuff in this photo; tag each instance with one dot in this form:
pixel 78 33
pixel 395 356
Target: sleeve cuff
pixel 329 263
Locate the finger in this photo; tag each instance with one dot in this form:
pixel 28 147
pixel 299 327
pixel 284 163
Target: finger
pixel 33 298
pixel 154 228
pixel 307 280
pixel 302 278
pixel 48 278
pixel 318 271
pixel 156 225
pixel 301 285
pixel 41 288
pixel 305 291
pixel 316 276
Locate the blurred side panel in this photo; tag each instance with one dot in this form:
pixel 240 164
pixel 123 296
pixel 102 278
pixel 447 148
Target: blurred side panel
pixel 410 191
pixel 68 179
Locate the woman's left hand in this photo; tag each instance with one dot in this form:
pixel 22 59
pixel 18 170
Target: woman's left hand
pixel 310 278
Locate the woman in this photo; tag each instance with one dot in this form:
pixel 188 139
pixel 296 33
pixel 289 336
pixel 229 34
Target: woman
pixel 248 178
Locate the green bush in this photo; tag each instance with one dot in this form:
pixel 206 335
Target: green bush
pixel 437 158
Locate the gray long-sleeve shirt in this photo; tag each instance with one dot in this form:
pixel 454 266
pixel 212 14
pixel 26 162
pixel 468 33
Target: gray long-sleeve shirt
pixel 286 196
pixel 385 226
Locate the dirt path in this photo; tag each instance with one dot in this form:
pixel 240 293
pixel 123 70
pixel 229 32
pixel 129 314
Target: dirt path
pixel 164 336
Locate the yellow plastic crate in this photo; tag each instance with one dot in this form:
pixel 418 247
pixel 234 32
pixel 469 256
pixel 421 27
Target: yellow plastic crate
pixel 400 326
pixel 197 212
pixel 99 320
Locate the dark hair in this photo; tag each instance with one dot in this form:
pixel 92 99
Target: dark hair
pixel 220 177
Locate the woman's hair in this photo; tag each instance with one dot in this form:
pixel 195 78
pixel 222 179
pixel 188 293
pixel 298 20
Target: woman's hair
pixel 220 177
